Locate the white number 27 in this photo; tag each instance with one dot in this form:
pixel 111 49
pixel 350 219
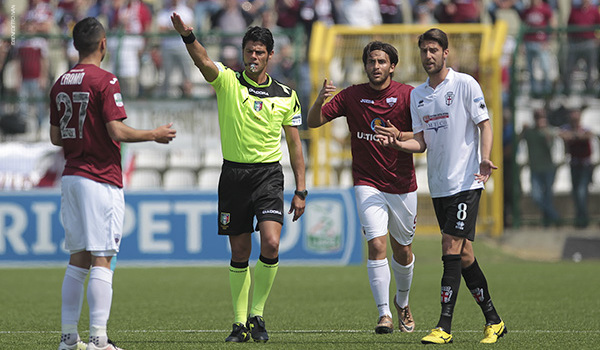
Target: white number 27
pixel 63 98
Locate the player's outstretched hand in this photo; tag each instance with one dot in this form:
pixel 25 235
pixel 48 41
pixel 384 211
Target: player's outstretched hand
pixel 179 26
pixel 164 133
pixel 326 91
pixel 297 207
pixel 485 170
pixel 387 135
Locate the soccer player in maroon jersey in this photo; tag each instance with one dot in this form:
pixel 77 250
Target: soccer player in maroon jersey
pixel 384 179
pixel 86 117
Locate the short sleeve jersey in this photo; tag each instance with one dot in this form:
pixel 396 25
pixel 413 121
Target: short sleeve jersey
pixel 448 116
pixel 251 116
pixel 383 168
pixel 82 101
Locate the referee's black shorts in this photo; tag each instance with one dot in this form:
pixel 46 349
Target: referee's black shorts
pixel 246 191
pixel 457 214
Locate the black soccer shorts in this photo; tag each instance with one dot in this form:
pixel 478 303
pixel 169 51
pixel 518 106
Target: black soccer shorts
pixel 457 214
pixel 246 191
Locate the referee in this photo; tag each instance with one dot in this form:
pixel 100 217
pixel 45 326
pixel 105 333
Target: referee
pixel 253 108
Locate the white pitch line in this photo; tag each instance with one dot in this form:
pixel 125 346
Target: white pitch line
pixel 299 331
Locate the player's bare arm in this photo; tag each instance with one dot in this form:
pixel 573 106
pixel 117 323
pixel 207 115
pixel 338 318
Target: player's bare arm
pixel 198 53
pixel 390 136
pixel 486 166
pixel 121 132
pixel 315 117
pixel 55 136
pixel 292 137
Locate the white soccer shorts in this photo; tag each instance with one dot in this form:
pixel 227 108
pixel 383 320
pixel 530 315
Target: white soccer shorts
pixel 92 214
pixel 380 212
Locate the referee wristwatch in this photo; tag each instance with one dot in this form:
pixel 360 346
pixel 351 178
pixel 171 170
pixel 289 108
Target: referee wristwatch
pixel 301 194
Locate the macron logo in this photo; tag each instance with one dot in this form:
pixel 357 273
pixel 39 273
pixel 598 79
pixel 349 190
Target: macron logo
pixel 113 81
pixel 365 100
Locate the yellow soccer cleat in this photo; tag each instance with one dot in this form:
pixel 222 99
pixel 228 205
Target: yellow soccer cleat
pixel 492 332
pixel 437 336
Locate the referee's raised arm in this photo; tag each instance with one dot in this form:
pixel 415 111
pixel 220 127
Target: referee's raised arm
pixel 198 53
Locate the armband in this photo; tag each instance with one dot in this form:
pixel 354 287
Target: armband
pixel 189 39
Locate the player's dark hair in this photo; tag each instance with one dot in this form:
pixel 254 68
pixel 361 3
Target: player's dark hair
pixel 385 47
pixel 259 34
pixel 435 34
pixel 87 34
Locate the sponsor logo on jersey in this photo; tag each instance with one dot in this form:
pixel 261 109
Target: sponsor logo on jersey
pixel 391 101
pixel 258 92
pixel 118 99
pixel 297 120
pixel 271 211
pixel 72 78
pixel 225 218
pixel 446 294
pixel 377 121
pixel 113 81
pixel 420 104
pixel 482 105
pixel 364 136
pixel 366 100
pixel 436 121
pixel 478 99
pixel 449 98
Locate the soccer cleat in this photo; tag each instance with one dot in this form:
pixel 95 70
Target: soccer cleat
pixel 256 325
pixel 109 346
pixel 407 323
pixel 77 346
pixel 437 336
pixel 492 332
pixel 239 334
pixel 384 325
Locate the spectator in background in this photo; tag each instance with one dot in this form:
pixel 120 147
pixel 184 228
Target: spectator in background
pixel 391 11
pixel 579 146
pixel 231 19
pixel 459 11
pixel 582 44
pixel 128 19
pixel 33 56
pixel 495 5
pixel 174 55
pixel 323 11
pixel 288 13
pixel 539 17
pixel 423 11
pixel 203 11
pixel 361 13
pixel 541 166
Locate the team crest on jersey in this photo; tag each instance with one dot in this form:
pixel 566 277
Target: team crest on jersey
pixel 225 218
pixel 258 105
pixel 377 121
pixel 449 98
pixel 391 101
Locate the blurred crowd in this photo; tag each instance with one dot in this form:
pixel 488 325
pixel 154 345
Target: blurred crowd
pixel 158 65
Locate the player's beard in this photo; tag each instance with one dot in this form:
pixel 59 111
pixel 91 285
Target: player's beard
pixel 382 79
pixel 437 67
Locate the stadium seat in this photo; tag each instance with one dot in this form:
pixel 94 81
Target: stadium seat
pixel 150 158
pixel 144 179
pixel 179 179
pixel 185 158
pixel 208 178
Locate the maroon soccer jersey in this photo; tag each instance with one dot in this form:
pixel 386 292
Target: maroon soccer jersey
pixel 82 101
pixel 384 168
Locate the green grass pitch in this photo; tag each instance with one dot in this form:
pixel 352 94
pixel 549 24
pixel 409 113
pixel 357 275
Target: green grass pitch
pixel 545 306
